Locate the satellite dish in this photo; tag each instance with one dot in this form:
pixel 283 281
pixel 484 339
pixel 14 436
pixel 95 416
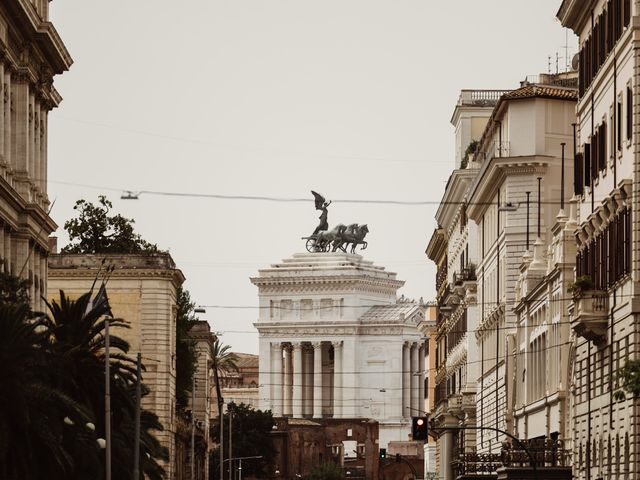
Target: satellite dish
pixel 575 62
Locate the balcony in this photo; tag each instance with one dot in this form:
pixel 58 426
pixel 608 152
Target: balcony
pixel 552 462
pixel 590 315
pixel 480 97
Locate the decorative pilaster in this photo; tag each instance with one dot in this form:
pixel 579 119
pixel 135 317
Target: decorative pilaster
pixel 317 380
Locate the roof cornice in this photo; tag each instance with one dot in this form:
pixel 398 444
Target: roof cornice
pixel 437 245
pixel 493 174
pixel 454 196
pixel 574 13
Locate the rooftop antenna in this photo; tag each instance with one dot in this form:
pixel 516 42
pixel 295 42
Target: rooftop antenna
pixel 557 60
pixel 566 49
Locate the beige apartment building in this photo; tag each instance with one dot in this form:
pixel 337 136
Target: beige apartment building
pixel 520 151
pixel 453 248
pixel 604 310
pixel 142 291
pixel 31 54
pixel 493 211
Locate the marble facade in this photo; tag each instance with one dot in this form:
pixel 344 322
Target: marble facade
pixel 31 54
pixel 336 342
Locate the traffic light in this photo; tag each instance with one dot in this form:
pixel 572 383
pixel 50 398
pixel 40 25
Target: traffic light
pixel 383 453
pixel 420 428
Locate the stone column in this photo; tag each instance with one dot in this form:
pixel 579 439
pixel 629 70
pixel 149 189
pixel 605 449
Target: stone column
pixel 297 380
pixel 307 371
pixel 423 375
pixel 413 411
pixel 277 380
pixel 337 379
pixel 406 380
pixel 447 455
pixel 287 381
pixel 317 379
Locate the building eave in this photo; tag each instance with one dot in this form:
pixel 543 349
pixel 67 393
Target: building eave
pixel 454 195
pixel 574 13
pixel 493 174
pixel 437 245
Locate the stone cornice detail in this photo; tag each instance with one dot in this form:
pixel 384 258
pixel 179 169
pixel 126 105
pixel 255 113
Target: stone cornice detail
pixel 456 190
pixel 333 329
pixel 490 320
pixel 604 213
pixel 494 172
pixel 292 285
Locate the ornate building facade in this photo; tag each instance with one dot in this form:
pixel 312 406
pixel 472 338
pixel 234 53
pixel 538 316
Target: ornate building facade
pixel 31 54
pixel 453 248
pixel 603 311
pixel 336 342
pixel 518 167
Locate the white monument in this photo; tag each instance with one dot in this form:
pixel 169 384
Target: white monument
pixel 336 342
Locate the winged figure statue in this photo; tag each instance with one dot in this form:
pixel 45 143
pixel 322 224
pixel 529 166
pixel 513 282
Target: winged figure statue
pixel 321 204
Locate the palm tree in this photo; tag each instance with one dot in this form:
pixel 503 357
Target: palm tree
pixel 77 331
pixel 40 425
pixel 224 363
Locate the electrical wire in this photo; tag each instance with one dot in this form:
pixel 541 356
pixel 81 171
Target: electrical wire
pixel 266 198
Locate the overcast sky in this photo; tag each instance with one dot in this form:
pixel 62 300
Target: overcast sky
pixel 351 98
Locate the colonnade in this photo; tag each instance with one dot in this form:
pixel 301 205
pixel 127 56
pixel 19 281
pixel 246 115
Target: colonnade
pixel 23 136
pixel 414 374
pixel 306 379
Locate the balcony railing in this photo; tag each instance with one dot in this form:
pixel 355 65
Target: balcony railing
pixel 546 453
pixel 480 97
pixel 467 274
pixel 591 310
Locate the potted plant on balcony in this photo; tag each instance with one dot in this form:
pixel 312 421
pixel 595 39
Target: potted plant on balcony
pixel 582 284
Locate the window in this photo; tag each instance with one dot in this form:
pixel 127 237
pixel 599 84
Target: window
pixel 587 164
pixel 629 113
pixel 608 28
pixel 578 182
pixel 619 124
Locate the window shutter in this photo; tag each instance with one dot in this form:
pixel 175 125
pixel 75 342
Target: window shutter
pixel 587 164
pixel 578 182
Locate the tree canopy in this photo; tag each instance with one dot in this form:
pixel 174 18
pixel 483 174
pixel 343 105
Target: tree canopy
pixel 95 231
pixel 186 355
pixel 251 437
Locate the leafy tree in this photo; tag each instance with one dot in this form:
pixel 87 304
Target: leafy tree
pixel 629 378
pixel 13 290
pixel 251 437
pixel 186 355
pixel 95 231
pixel 326 471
